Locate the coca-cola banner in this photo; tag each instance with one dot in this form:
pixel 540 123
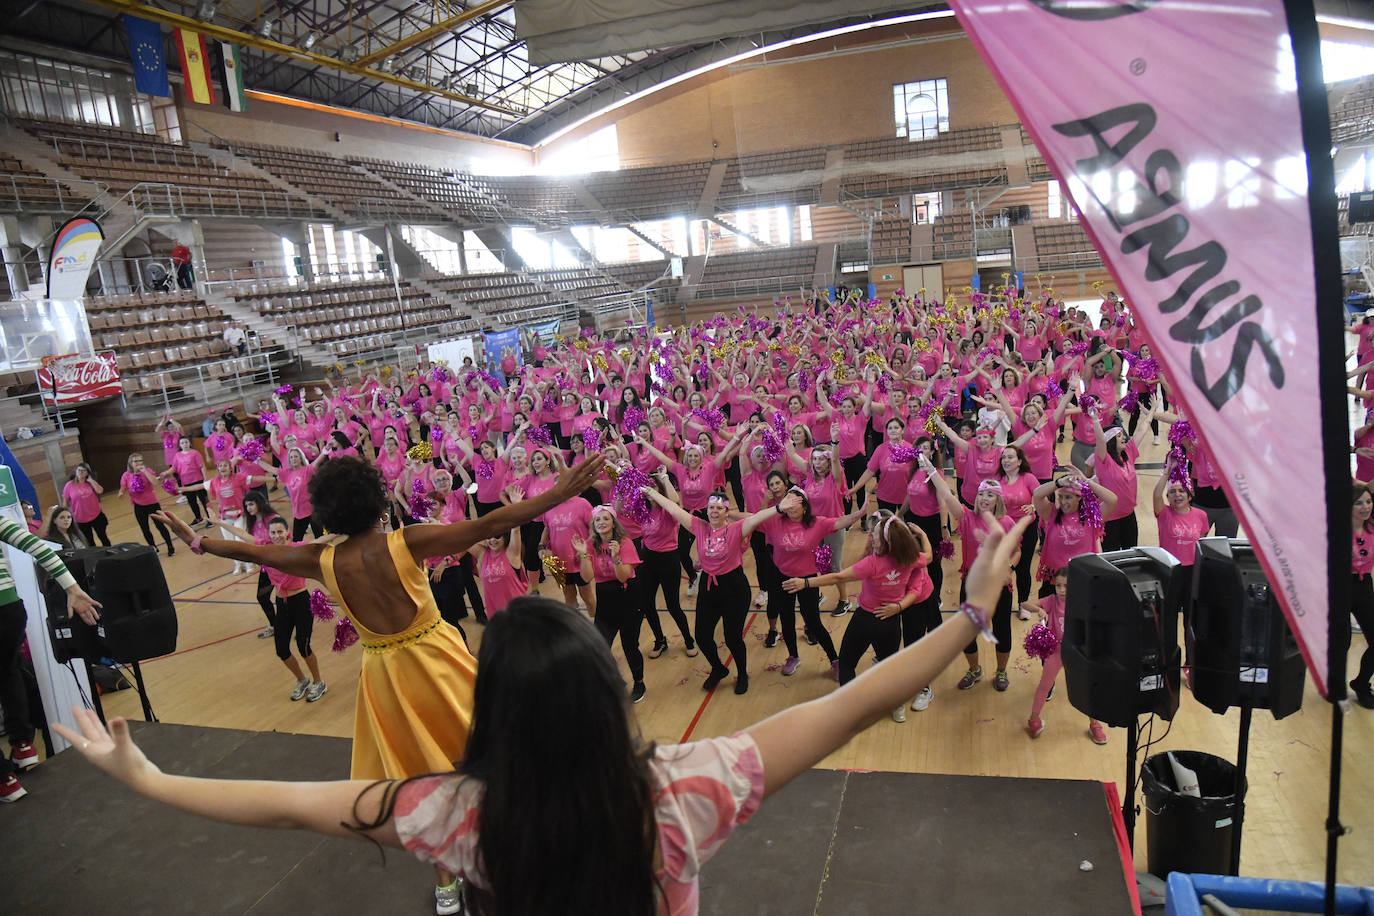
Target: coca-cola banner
pixel 1175 128
pixel 69 379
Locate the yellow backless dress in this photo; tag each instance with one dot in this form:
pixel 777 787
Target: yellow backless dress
pixel 415 690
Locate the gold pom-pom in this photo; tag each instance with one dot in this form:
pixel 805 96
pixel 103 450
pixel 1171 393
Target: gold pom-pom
pixel 612 472
pixel 773 346
pixel 921 344
pixel 360 362
pixel 421 452
pixel 794 349
pixel 1062 327
pixel 932 426
pixel 623 353
pixel 999 314
pixel 836 357
pixel 386 372
pixel 1098 284
pixel 841 373
pixel 599 361
pixel 874 359
pixel 580 344
pixel 553 565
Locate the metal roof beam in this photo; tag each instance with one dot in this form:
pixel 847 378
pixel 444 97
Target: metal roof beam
pixel 434 31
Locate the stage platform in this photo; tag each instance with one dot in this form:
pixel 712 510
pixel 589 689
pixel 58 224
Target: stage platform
pixel 833 842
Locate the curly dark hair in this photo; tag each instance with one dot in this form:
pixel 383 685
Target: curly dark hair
pixel 348 494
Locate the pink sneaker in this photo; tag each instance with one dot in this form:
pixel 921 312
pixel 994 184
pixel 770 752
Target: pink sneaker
pixel 790 666
pixel 1035 725
pixel 1099 734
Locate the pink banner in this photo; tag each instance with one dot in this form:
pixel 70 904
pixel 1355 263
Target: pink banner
pixel 1174 127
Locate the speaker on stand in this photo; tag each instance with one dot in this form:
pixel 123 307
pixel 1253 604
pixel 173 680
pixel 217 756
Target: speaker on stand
pixel 1120 647
pixel 137 617
pixel 1242 651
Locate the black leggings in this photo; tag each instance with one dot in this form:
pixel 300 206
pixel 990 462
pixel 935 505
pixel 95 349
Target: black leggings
pixel 921 618
pixel 454 584
pixel 865 630
pixel 726 601
pixel 143 514
pixel 783 604
pixel 1362 606
pixel 305 521
pixel 1120 533
pixel 1001 624
pixel 854 467
pixel 485 508
pixel 530 533
pixel 1023 564
pixel 264 596
pixel 764 568
pixel 736 482
pixel 1142 402
pixel 658 570
pixel 685 540
pixel 293 615
pixel 931 528
pixel 199 502
pixel 618 612
pixel 95 529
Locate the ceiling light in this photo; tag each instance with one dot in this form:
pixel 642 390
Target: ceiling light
pixel 267 27
pixel 472 89
pixel 312 39
pixel 349 53
pixel 206 10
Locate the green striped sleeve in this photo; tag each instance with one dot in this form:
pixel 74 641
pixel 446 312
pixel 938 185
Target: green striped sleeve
pixel 17 535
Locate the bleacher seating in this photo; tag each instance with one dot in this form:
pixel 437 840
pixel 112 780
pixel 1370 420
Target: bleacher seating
pixel 752 271
pixel 333 180
pixel 650 192
pixel 152 333
pixel 1352 111
pixel 1065 245
pixel 24 189
pixel 806 190
pixel 177 176
pixel 443 189
pixel 891 240
pixel 958 158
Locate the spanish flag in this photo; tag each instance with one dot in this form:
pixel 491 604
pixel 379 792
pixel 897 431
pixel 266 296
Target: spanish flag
pixel 195 66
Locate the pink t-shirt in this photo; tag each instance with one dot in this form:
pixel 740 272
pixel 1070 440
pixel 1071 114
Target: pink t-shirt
pixel 221 446
pixel 190 467
pixel 1179 532
pixel 1039 448
pixel 885 582
pixel 501 582
pixel 391 466
pixel 603 567
pixel 695 486
pixel 564 522
pixel 149 495
pixel 851 439
pixel 921 496
pixel 720 549
pixel 1016 495
pixel 282 581
pixel 973 531
pixel 660 530
pixel 702 791
pixel 755 486
pixel 892 475
pixel 227 494
pixel 1066 539
pixel 81 498
pixel 794 545
pixel 1120 479
pixel 1053 606
pixel 489 487
pixel 825 495
pixel 980 464
pixel 297 483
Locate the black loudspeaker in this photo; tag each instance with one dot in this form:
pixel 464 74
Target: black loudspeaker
pixel 1240 646
pixel 1361 207
pixel 138 620
pixel 1120 648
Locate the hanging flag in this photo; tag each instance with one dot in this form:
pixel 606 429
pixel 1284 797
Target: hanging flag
pixel 1197 200
pixel 231 77
pixel 145 53
pixel 195 66
pixel 71 258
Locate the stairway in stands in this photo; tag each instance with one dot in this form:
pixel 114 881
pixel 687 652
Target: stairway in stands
pixel 271 336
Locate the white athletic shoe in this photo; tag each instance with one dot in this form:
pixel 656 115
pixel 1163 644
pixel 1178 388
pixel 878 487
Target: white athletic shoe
pixel 317 690
pixel 301 687
pixel 761 600
pixel 692 586
pixel 899 714
pixel 448 901
pixel 923 699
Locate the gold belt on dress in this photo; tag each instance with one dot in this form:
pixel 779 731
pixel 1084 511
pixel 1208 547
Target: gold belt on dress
pixel 401 639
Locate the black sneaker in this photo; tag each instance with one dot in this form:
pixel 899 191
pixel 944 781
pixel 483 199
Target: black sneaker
pixel 771 639
pixel 810 639
pixel 1050 696
pixel 637 692
pixel 742 684
pixel 1364 695
pixel 714 678
pixel 660 646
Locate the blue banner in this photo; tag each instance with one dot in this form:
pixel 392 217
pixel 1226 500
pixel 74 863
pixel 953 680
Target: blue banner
pixel 497 343
pixel 22 484
pixel 145 53
pixel 649 312
pixel 976 283
pixel 546 332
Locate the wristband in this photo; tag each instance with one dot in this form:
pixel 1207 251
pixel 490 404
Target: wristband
pixel 979 618
pixel 195 544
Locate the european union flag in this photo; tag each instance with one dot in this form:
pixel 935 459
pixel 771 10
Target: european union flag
pixel 145 53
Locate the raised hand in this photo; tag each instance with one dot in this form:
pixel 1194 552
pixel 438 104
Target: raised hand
pixel 112 750
pixel 179 528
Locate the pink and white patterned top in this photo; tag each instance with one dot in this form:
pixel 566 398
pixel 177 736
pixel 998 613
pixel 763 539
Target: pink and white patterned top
pixel 702 792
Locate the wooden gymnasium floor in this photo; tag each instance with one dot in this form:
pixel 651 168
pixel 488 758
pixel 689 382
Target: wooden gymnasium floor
pixel 224 676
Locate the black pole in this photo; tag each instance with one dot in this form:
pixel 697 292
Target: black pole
pixel 1128 797
pixel 1242 755
pixel 95 692
pixel 143 695
pixel 1321 202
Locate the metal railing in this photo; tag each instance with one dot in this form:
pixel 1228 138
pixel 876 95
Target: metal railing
pixel 223 376
pixel 754 286
pixel 159 199
pixel 1061 260
pixel 153 152
pixel 39 194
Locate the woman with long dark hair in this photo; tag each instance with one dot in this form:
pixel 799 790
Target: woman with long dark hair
pixel 377 581
pixel 554 760
pixel 61 529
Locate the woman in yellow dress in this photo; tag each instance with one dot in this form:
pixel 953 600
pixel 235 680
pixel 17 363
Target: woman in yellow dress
pixel 415 699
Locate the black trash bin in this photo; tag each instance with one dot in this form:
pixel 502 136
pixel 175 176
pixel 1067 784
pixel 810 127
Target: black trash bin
pixel 1186 834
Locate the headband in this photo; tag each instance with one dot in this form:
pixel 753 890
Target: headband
pixel 825 452
pixel 799 491
pixel 606 507
pixel 1113 433
pixel 990 485
pixel 692 446
pixel 759 448
pixel 716 499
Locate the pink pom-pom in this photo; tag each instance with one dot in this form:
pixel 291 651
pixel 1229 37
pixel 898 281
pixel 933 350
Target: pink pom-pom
pixel 1130 402
pixel 320 606
pixel 772 448
pixel 485 469
pixel 883 383
pixel 1077 349
pixel 250 449
pixel 1181 433
pixel 902 453
pixel 629 422
pixel 549 402
pixel 825 559
pixel 713 418
pixel 139 484
pixel 170 439
pixel 1087 403
pixel 344 634
pixel 627 493
pixel 436 435
pixel 284 391
pixel 420 507
pixel 1052 390
pixel 170 485
pixel 1041 642
pixel 1089 507
pixel 268 418
pixel 539 435
pixel 591 439
pixel 440 374
pixel 945 550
